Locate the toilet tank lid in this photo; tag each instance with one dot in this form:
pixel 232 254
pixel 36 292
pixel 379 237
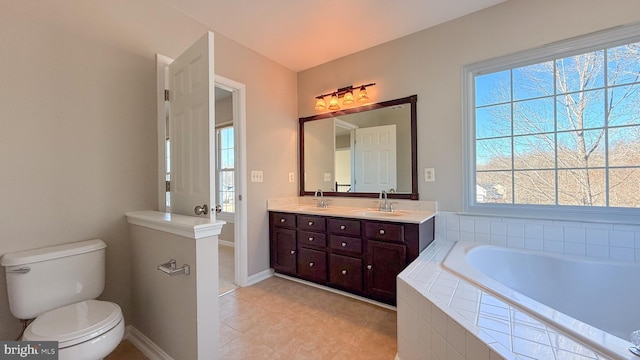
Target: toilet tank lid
pixel 51 252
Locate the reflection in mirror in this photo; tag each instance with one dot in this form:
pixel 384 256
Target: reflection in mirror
pixel 361 151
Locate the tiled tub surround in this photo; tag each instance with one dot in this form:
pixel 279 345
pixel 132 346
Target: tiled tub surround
pixel 589 300
pixel 443 316
pixel 433 303
pixel 591 239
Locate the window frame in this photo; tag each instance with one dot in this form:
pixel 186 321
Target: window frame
pixel 618 36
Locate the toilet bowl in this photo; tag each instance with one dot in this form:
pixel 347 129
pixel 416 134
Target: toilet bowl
pixel 85 330
pixel 57 286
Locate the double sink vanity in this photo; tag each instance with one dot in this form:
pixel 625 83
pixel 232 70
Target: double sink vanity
pixel 350 245
pixel 349 240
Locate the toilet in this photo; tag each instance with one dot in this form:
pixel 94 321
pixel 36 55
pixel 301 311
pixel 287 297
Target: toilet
pixel 57 287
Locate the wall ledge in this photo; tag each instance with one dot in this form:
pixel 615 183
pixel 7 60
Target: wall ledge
pixel 187 226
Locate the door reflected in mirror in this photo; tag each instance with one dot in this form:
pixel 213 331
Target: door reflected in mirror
pixel 361 151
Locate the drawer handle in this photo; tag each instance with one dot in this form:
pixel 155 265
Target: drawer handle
pixel 283 220
pixel 311 264
pixel 381 232
pixel 293 252
pixel 344 244
pixel 369 267
pixel 310 238
pixel 342 227
pixel 344 272
pixel 310 223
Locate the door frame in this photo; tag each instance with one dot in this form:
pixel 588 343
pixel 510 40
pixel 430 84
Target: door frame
pixel 238 91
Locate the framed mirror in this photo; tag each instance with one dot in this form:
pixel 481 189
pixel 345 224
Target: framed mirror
pixel 361 151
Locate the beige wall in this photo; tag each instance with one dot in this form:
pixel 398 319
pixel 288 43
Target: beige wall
pixel 429 64
pixel 78 126
pixel 165 306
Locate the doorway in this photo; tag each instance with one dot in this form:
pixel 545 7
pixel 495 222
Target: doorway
pixel 234 188
pixel 225 189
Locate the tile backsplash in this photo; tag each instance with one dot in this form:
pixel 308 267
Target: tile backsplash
pixel 617 242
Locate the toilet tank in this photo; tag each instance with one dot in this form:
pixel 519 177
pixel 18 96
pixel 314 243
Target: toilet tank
pixel 43 279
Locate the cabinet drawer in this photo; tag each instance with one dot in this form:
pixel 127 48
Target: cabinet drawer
pixel 312 264
pixel 309 222
pixel 384 231
pixel 344 227
pixel 345 272
pixel 306 238
pixel 283 220
pixel 345 243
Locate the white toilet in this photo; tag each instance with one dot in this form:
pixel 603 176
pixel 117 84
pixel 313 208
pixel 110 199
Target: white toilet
pixel 57 286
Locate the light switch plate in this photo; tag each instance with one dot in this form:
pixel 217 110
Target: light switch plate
pixel 256 176
pixel 429 175
pixel 291 177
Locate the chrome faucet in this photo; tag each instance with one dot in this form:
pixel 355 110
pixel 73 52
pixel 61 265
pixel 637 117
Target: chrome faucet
pixel 386 205
pixel 322 203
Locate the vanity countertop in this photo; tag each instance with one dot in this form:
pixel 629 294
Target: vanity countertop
pixel 412 212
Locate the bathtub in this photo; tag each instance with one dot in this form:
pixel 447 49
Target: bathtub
pixel 594 302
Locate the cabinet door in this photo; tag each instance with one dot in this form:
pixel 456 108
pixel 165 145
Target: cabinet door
pixel 283 250
pixel 384 262
pixel 345 272
pixel 312 264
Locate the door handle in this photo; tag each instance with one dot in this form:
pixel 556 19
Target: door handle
pixel 199 210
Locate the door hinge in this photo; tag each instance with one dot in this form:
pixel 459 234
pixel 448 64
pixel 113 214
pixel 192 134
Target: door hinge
pixel 167 186
pixel 239 197
pixel 166 95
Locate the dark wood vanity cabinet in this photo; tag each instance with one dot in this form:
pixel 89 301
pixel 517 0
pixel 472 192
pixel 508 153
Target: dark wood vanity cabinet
pixel 283 247
pixel 359 256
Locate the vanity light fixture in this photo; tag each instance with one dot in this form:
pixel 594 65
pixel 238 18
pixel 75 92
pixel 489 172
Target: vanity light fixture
pixel 346 93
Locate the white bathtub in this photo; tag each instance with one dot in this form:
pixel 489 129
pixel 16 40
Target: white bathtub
pixel 595 302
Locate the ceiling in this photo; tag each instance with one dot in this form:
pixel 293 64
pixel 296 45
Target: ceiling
pixel 301 34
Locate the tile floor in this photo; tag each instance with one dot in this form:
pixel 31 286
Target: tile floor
pixel 226 269
pixel 281 319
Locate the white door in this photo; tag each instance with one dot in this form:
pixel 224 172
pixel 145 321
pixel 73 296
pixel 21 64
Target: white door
pixel 192 134
pixel 375 159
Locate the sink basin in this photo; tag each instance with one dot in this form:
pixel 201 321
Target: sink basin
pixel 378 213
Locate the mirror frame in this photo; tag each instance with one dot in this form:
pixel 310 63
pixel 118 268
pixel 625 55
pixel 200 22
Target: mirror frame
pixel 412 100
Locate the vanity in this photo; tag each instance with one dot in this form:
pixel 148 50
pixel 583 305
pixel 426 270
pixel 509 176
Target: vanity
pixel 336 233
pixel 354 249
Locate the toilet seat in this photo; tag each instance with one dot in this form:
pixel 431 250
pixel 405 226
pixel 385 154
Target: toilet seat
pixel 74 324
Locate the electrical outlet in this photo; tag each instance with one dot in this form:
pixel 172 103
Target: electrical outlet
pixel 291 177
pixel 256 176
pixel 327 176
pixel 429 175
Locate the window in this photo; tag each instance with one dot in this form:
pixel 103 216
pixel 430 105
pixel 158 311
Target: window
pixel 225 169
pixel 556 127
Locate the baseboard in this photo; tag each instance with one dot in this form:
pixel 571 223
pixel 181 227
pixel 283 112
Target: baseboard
pixel 145 345
pixel 226 243
pixel 336 291
pixel 256 278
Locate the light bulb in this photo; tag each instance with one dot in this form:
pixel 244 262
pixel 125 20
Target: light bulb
pixel 320 104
